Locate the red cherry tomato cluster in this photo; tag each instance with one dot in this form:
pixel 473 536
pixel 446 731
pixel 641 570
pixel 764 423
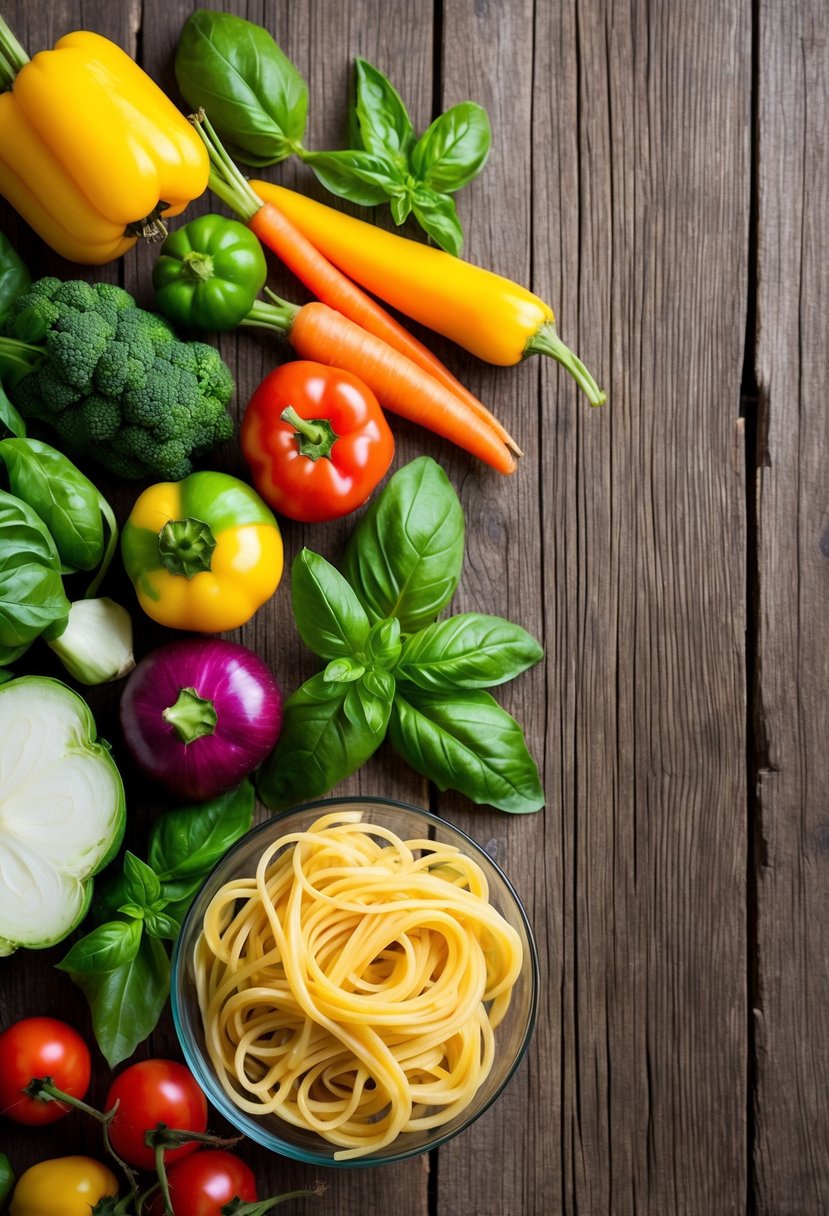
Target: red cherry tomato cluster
pixel 201 1181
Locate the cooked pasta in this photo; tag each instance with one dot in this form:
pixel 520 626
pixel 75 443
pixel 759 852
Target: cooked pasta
pixel 352 985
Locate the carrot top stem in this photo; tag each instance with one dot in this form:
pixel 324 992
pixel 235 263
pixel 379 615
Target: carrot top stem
pixel 279 314
pixel 226 180
pixel 547 342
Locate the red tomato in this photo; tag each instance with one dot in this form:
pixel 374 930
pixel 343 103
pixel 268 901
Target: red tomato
pixel 325 459
pixel 41 1047
pixel 148 1093
pixel 205 1181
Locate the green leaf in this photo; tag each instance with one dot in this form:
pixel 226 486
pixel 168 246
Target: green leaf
pixel 404 557
pixel 470 650
pixel 114 944
pixel 466 742
pixel 361 177
pixel 330 619
pixel 401 207
pixel 343 671
pixel 66 500
pixel 7 1180
pixel 10 418
pixel 318 746
pixel 32 598
pixel 14 276
pixel 253 95
pixel 162 925
pixel 383 645
pixel 142 884
pixel 136 911
pixel 381 117
pixel 438 218
pixel 454 149
pixel 367 704
pixel 127 1002
pixel 185 844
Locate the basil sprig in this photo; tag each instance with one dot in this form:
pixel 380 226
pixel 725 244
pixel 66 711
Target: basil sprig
pixel 257 102
pixel 393 670
pixel 122 966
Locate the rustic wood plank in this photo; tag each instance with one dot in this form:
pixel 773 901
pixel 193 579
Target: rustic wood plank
pixel 792 1037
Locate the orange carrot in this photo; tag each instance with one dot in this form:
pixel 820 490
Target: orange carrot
pixel 323 335
pixel 279 234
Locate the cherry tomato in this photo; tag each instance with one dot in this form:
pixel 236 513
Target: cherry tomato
pixel 69 1185
pixel 324 459
pixel 41 1047
pixel 148 1093
pixel 202 1183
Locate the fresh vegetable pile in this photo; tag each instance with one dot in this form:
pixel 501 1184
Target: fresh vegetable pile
pixel 141 398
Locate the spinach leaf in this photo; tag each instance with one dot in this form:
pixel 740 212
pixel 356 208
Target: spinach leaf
pixel 318 746
pixel 32 599
pixel 365 178
pixel 252 94
pixel 470 650
pixel 14 276
pixel 380 119
pixel 454 149
pixel 438 217
pixel 330 619
pixel 466 742
pixel 127 1001
pixel 66 500
pixel 404 557
pixel 112 945
pixel 185 844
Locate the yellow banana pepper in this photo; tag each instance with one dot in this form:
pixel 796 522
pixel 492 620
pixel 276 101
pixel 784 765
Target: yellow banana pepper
pixel 92 152
pixel 203 553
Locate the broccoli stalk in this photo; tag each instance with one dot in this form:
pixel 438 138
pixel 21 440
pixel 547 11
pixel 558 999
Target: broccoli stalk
pixel 113 380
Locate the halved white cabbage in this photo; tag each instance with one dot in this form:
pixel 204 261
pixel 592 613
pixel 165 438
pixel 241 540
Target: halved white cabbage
pixel 62 811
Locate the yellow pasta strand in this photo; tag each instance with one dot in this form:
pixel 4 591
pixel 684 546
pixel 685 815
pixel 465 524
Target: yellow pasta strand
pixel 352 985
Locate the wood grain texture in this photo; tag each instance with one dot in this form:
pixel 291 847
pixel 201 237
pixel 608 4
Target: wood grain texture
pixel 792 1034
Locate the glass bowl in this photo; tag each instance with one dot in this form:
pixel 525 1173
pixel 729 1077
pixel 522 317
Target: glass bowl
pixel 511 1036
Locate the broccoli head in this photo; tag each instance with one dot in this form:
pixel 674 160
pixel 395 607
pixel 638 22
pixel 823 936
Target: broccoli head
pixel 115 381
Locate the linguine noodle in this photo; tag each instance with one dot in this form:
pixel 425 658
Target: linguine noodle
pixel 352 986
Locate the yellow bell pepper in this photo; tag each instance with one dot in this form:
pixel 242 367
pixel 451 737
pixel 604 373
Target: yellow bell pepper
pixel 203 553
pixel 92 152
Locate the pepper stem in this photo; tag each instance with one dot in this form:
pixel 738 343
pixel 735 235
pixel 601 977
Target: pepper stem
pixel 185 546
pixel 13 56
pixel 197 266
pixel 547 342
pixel 316 436
pixel 191 717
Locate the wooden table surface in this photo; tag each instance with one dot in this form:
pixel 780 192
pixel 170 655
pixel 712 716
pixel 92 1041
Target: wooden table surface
pixel 659 173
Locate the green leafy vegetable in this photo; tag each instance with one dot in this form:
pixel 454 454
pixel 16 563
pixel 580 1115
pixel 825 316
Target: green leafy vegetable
pixel 7 1180
pixel 14 276
pixel 380 118
pixel 32 598
pixel 121 965
pixel 454 149
pixel 409 677
pixel 255 97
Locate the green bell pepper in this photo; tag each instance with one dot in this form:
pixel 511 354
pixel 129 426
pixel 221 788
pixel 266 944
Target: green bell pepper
pixel 209 273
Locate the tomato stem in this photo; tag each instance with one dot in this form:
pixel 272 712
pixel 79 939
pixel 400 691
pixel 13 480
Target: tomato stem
pixel 237 1207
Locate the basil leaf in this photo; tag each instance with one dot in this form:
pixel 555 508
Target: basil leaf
pixel 66 500
pixel 438 217
pixel 162 925
pixel 401 207
pixel 367 704
pixel 404 557
pixel 383 643
pixel 142 885
pixel 361 177
pixel 454 149
pixel 14 276
pixel 185 844
pixel 466 742
pixel 10 417
pixel 470 650
pixel 318 746
pixel 343 671
pixel 381 118
pixel 112 945
pixel 252 94
pixel 330 619
pixel 127 1002
pixel 136 911
pixel 32 598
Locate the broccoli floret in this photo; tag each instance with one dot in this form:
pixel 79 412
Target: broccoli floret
pixel 116 381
